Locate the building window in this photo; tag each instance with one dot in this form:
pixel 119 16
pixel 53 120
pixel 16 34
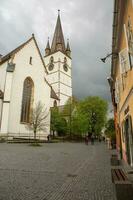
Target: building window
pixel 124 61
pixel 130 41
pixel 123 131
pixel 30 62
pixel 65 66
pixel 27 100
pixel 51 64
pixel 117 91
pixel 51 59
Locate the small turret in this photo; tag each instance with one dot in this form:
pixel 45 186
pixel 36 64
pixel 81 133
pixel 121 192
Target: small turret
pixel 47 50
pixel 68 50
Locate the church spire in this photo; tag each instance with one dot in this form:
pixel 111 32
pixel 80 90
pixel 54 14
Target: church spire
pixel 68 50
pixel 58 39
pixel 47 50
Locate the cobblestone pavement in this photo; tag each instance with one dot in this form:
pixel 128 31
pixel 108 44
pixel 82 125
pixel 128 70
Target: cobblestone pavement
pixel 63 171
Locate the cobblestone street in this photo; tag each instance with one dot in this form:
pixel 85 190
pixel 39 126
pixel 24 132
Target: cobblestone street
pixel 63 171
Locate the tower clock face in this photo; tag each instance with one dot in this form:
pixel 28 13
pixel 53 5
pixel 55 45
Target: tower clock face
pixel 65 67
pixel 51 67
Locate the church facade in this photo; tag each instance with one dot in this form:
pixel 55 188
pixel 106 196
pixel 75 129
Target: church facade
pixel 27 78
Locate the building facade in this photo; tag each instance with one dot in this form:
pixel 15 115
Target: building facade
pixel 22 85
pixel 27 78
pixel 121 79
pixel 58 62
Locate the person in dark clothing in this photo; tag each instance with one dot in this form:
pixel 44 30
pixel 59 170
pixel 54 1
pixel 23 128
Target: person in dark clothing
pixel 48 138
pixel 86 140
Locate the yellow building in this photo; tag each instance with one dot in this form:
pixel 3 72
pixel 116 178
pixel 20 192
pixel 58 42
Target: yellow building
pixel 122 77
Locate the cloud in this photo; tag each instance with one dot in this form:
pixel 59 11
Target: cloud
pixel 88 24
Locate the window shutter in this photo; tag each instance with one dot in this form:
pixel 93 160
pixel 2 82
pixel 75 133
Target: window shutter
pixel 124 61
pixel 117 91
pixel 129 39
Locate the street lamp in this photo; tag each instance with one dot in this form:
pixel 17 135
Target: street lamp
pixel 108 55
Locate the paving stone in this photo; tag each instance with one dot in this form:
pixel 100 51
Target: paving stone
pixel 65 171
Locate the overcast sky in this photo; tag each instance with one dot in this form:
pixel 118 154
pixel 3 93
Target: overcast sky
pixel 87 23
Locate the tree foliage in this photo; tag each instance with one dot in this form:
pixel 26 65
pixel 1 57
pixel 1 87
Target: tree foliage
pixel 79 123
pixel 58 123
pixel 95 109
pixel 80 117
pixel 110 129
pixel 70 106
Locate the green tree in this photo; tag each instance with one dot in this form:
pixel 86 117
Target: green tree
pixel 68 112
pixel 58 122
pixel 95 109
pixel 70 105
pixel 79 124
pixel 110 129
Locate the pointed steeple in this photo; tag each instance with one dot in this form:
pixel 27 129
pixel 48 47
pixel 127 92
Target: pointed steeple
pixel 48 46
pixel 58 39
pixel 47 50
pixel 68 50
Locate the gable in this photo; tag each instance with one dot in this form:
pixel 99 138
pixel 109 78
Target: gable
pixel 20 48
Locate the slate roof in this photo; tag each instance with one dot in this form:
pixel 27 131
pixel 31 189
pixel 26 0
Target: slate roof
pixel 58 37
pixel 68 46
pixel 48 45
pixel 1 94
pixel 53 94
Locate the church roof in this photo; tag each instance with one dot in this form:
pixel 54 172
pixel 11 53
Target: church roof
pixel 68 46
pixel 48 45
pixel 58 36
pixel 1 94
pixel 53 94
pixel 13 52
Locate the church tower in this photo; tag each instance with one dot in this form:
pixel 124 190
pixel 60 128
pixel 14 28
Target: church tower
pixel 58 62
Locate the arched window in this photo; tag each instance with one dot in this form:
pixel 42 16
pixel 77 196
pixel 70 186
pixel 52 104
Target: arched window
pixel 27 100
pixel 51 59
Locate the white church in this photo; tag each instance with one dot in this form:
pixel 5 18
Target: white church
pixel 27 77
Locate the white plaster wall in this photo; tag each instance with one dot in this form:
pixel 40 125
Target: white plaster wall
pixel 2 75
pixel 5 119
pixel 6 103
pixel 64 99
pixel 41 89
pixel 2 84
pixel 8 86
pixel 53 78
pixel 65 90
pixel 65 79
pixel 0 111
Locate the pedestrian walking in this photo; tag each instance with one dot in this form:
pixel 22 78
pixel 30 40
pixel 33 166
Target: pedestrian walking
pixel 48 138
pixel 86 140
